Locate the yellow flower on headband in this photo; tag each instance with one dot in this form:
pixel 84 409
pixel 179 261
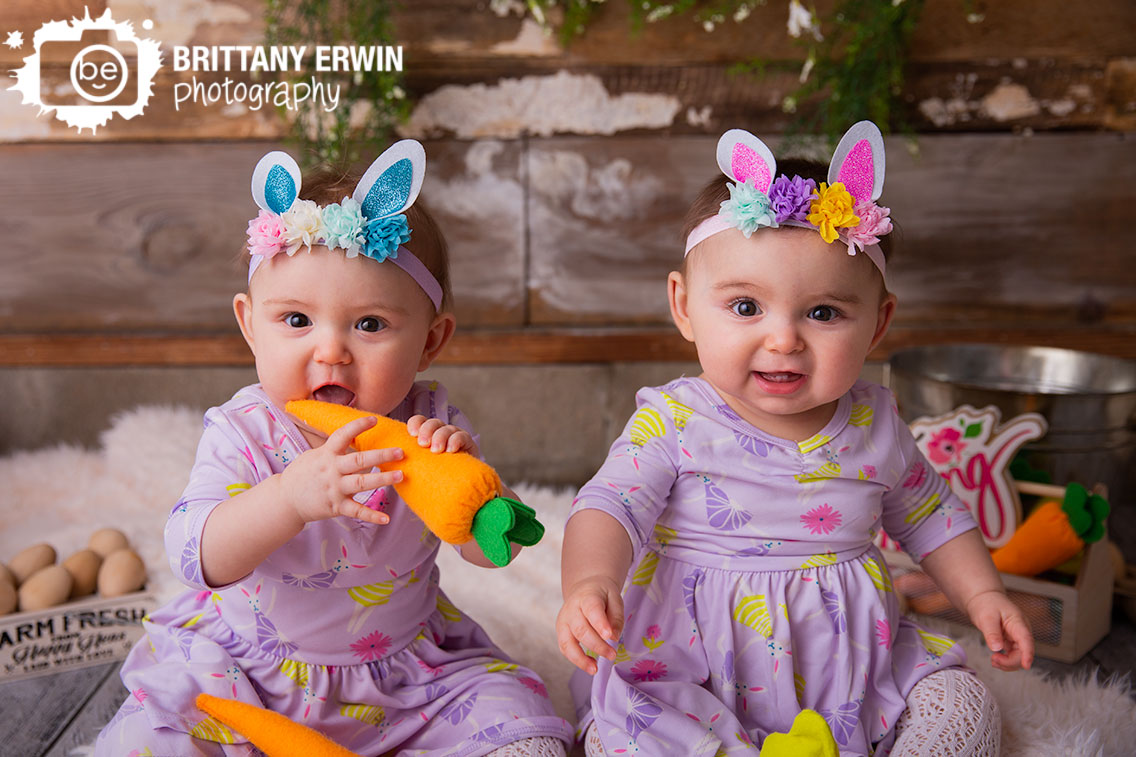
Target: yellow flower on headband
pixel 831 209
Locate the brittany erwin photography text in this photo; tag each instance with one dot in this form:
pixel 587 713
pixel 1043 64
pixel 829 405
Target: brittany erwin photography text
pixel 259 60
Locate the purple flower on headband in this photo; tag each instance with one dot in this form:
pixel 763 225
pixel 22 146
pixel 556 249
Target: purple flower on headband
pixel 265 234
pixel 874 223
pixel 747 209
pixel 790 198
pixel 382 236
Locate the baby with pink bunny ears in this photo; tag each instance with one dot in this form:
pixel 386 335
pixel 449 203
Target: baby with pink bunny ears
pixel 719 573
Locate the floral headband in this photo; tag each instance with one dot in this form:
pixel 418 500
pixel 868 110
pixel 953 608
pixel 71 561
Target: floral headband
pixel 844 207
pixel 370 222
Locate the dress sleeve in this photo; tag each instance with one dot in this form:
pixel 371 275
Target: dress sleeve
pixel 634 483
pixel 920 511
pixel 226 465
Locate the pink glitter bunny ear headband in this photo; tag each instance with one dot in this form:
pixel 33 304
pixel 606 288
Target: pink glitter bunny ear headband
pixel 844 207
pixel 372 222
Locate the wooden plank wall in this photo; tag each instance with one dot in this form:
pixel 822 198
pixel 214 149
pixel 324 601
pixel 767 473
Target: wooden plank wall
pixel 560 176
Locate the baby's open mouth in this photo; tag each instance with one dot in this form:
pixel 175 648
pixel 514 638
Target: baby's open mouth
pixel 336 394
pixel 782 377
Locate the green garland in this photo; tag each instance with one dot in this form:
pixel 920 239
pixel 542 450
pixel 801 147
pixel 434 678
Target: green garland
pixel 329 138
pixel 854 72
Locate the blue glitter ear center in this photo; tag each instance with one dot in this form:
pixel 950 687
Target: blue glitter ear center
pixel 279 189
pixel 389 192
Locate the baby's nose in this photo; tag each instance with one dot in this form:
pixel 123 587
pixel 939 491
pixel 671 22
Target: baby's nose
pixel 332 349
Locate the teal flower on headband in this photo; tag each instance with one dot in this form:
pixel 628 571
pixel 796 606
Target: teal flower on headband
pixel 341 225
pixel 382 236
pixel 747 209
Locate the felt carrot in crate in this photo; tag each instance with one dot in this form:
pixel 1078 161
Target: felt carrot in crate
pixel 456 495
pixel 1053 533
pixel 270 732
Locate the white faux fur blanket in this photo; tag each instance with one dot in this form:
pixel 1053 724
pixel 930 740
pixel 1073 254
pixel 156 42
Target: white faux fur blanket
pixel 61 495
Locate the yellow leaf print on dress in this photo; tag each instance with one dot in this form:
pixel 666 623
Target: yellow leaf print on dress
pixel 753 612
pixel 816 561
pixel 370 595
pixel 500 666
pixel 372 714
pixel 925 509
pixel 936 645
pixel 861 415
pixel 646 425
pixel 799 685
pixel 808 445
pixel 823 473
pixel 235 489
pixel 449 612
pixel 296 671
pixel 212 730
pixel 878 574
pixel 645 573
pixel 679 411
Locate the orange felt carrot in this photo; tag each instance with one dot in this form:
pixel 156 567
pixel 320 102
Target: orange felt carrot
pixel 456 495
pixel 1053 533
pixel 271 732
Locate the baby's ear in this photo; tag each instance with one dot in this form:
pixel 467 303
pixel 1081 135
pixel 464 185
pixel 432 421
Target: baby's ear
pixel 742 156
pixel 276 182
pixel 390 185
pixel 859 162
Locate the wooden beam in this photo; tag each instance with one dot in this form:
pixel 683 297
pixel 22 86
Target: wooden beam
pixel 504 347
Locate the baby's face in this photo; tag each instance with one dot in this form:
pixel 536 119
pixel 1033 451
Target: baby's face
pixel 322 326
pixel 782 322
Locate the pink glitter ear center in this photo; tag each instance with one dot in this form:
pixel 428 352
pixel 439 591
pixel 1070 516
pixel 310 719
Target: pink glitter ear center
pixel 857 172
pixel 746 164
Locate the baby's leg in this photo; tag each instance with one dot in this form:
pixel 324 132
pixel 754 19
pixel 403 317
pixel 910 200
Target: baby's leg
pixel 950 712
pixel 130 732
pixel 541 746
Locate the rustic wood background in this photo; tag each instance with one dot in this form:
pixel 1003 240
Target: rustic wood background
pixel 560 176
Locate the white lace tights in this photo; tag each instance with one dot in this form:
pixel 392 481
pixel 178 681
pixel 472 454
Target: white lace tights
pixel 949 713
pixel 541 746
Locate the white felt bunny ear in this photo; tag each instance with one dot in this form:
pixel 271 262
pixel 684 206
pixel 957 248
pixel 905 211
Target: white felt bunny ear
pixel 742 156
pixel 276 182
pixel 390 185
pixel 859 162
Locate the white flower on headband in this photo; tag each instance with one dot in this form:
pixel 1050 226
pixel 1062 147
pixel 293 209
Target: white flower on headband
pixel 301 226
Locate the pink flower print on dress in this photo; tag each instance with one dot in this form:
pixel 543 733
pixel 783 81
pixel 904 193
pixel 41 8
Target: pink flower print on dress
pixel 822 519
pixel 372 646
pixel 651 639
pixel 534 686
pixel 945 447
pixel 883 633
pixel 429 668
pixel 917 476
pixel 648 670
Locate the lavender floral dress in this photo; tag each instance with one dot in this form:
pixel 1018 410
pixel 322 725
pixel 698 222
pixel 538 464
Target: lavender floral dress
pixel 343 628
pixel 756 590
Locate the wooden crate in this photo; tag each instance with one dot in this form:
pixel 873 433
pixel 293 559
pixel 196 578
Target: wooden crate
pixel 1067 620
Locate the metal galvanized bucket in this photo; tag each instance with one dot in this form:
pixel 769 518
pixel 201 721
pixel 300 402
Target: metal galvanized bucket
pixel 1089 401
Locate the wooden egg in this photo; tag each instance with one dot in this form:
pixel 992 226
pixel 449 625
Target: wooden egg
pixel 9 600
pixel 30 561
pixel 122 572
pixel 45 588
pixel 107 540
pixel 6 575
pixel 84 569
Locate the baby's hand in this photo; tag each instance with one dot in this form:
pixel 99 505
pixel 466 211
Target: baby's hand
pixel 1005 628
pixel 320 483
pixel 592 612
pixel 440 437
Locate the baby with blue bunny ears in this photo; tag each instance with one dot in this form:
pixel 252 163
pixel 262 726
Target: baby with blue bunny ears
pixel 313 587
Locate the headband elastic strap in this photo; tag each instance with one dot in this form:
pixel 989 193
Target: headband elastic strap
pixel 404 259
pixel 718 223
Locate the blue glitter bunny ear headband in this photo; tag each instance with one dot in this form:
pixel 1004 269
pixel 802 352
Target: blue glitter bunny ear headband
pixel 844 207
pixel 371 222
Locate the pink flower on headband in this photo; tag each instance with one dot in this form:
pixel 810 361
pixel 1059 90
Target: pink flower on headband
pixel 791 198
pixel 265 234
pixel 874 223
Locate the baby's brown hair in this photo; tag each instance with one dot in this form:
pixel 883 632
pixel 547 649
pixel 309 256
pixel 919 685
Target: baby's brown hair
pixel 325 186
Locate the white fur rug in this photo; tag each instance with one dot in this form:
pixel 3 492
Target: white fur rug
pixel 61 495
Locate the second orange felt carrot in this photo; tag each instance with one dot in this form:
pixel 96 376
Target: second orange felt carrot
pixel 1053 533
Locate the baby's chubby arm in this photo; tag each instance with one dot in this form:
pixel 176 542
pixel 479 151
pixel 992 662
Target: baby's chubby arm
pixel 596 556
pixel 964 571
pixel 320 483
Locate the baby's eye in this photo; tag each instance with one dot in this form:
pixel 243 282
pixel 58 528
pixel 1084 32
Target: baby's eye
pixel 823 313
pixel 297 320
pixel 744 308
pixel 370 324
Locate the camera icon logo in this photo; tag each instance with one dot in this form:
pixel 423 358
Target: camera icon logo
pixel 89 70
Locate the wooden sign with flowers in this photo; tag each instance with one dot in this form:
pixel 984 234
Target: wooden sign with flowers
pixel 972 449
